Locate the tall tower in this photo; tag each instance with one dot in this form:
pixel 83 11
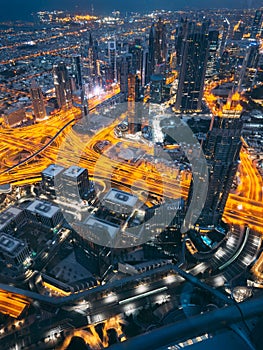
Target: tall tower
pixel 76 71
pixel 224 35
pixel 194 56
pixel 125 69
pixel 62 85
pixel 37 101
pixel 212 55
pixel 112 54
pixel 157 48
pixel 221 149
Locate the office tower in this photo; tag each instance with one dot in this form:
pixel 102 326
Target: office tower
pixel 221 149
pixel 137 58
pixel 181 33
pixel 76 71
pixel 75 183
pixel 112 56
pixel 145 67
pixel 193 62
pixel 249 66
pixel 14 252
pixel 84 103
pixel 213 37
pixel 156 88
pixel 212 53
pixel 134 110
pixel 37 101
pixel 226 67
pixel 62 85
pixel 125 68
pixel 256 26
pixel 11 219
pixel 92 58
pixel 49 177
pixel 223 35
pixel 157 48
pixel 44 213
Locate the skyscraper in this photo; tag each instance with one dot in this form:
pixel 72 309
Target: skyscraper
pixel 76 71
pixel 125 68
pixel 112 55
pixel 224 34
pixel 62 85
pixel 193 62
pixel 212 55
pixel 92 56
pixel 37 101
pixel 221 149
pixel 157 48
pixel 156 88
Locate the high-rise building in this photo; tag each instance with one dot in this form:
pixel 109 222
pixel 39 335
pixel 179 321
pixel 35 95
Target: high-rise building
pixel 156 88
pixel 49 177
pixel 256 26
pixel 112 55
pixel 212 53
pixel 226 65
pixel 193 62
pixel 62 85
pixel 13 251
pixel 145 68
pixel 44 213
pixel 76 71
pixel 181 34
pixel 133 87
pixel 157 48
pixel 137 58
pixel 221 148
pixel 75 183
pixel 249 67
pixel 125 68
pixel 223 34
pixel 37 101
pixel 92 58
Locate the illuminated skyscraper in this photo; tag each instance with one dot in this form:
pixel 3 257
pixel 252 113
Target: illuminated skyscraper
pixel 157 48
pixel 62 85
pixel 221 149
pixel 157 88
pixel 223 34
pixel 76 71
pixel 193 62
pixel 92 56
pixel 37 101
pixel 112 55
pixel 212 56
pixel 125 68
pixel 75 181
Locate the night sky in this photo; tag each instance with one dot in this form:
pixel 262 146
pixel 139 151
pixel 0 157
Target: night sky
pixel 21 9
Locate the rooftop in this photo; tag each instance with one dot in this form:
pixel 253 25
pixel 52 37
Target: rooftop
pixel 8 215
pixel 44 208
pixel 121 197
pixel 9 244
pixel 74 171
pixel 53 170
pixel 101 227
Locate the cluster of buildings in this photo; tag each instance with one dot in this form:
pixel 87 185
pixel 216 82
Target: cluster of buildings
pixel 171 52
pixel 67 240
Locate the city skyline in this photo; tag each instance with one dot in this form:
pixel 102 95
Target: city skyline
pixel 22 10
